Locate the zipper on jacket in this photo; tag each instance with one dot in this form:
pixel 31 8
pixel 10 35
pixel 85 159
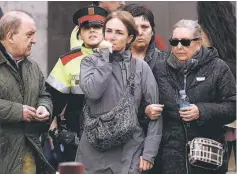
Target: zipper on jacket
pixel 186 148
pixel 185 130
pixel 185 82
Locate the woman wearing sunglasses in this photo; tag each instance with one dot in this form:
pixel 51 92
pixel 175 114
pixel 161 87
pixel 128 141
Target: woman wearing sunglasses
pixel 209 86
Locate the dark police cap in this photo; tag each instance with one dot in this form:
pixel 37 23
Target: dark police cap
pixel 90 15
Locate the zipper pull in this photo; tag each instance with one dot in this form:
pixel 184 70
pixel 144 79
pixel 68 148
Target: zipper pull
pixel 123 66
pixel 188 125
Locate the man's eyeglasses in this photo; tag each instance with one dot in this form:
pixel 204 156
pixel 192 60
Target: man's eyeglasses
pixel 184 42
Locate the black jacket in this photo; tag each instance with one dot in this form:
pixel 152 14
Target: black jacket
pixel 210 86
pixel 153 54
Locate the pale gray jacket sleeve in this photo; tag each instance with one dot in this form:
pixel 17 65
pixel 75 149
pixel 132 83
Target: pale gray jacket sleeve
pixel 95 74
pixel 150 93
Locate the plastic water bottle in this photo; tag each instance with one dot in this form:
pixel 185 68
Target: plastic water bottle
pixel 183 102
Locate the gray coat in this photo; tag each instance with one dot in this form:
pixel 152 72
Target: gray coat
pixel 103 83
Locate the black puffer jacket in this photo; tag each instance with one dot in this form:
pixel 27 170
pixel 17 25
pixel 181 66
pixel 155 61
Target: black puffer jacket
pixel 210 86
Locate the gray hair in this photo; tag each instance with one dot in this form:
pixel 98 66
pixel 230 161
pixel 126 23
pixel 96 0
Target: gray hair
pixel 190 24
pixel 11 21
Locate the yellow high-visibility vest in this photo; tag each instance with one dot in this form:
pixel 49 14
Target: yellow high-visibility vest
pixel 65 75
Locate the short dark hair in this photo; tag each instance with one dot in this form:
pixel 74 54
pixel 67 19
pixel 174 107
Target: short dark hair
pixel 137 10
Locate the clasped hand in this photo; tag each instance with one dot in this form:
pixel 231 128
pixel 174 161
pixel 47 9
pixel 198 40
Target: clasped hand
pixel 153 111
pixel 32 114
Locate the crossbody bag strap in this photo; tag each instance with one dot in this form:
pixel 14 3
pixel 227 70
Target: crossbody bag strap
pixel 131 78
pixel 130 81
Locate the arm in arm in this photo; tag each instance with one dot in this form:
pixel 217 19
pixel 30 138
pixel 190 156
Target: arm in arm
pixel 151 95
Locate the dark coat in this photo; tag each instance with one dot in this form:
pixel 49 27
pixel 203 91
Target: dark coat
pixel 214 95
pixel 18 88
pixel 153 54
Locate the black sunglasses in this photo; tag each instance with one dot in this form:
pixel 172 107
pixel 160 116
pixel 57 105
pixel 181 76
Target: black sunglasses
pixel 184 42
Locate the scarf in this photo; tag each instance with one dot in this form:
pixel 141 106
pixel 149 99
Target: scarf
pixel 187 65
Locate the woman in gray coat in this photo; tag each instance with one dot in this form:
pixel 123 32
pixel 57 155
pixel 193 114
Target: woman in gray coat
pixel 103 79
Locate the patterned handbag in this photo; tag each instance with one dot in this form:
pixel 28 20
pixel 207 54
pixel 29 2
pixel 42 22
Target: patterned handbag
pixel 206 153
pixel 114 128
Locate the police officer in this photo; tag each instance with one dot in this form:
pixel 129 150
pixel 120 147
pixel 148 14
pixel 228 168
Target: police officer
pixel 63 81
pixel 110 6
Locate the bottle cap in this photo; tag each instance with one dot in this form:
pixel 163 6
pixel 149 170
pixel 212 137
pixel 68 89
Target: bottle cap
pixel 182 92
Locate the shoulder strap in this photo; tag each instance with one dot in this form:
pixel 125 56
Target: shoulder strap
pixel 133 68
pixel 131 81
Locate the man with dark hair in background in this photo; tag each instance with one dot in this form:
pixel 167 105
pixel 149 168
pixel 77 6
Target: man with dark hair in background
pixel 145 13
pixel 144 48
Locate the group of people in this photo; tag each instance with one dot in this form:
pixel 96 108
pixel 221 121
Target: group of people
pixel 113 101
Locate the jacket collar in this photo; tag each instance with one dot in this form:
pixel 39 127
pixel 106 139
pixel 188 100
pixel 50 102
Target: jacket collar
pixel 124 56
pixel 4 55
pixel 186 66
pixel 86 51
pixel 2 58
pixel 150 50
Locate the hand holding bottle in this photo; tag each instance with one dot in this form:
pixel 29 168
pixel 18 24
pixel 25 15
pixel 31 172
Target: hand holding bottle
pixel 189 113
